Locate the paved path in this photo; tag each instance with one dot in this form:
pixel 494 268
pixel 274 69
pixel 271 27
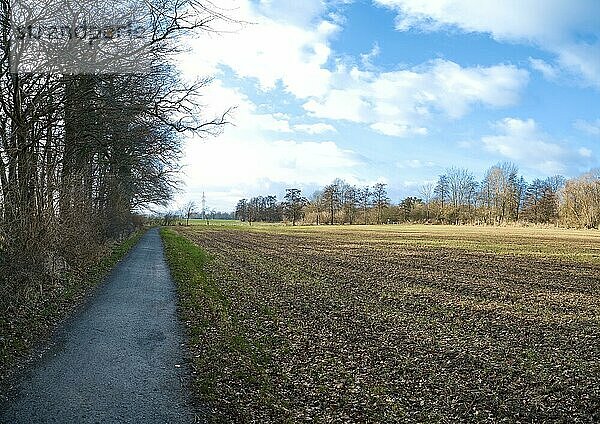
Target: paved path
pixel 119 360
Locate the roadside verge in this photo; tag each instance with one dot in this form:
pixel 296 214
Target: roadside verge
pixel 26 327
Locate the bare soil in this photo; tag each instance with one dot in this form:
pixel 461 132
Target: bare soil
pixel 329 328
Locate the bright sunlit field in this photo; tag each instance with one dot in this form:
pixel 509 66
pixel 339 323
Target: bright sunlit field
pixel 391 323
pixel 542 242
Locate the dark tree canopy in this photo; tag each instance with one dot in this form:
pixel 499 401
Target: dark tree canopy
pixel 85 146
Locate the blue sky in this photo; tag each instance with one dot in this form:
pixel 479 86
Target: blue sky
pixel 394 91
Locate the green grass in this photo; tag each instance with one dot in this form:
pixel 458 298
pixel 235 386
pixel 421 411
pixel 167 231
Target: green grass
pixel 31 322
pixel 187 262
pixel 201 304
pixel 215 334
pixel 214 222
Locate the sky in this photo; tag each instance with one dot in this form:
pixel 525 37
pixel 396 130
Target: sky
pixel 392 91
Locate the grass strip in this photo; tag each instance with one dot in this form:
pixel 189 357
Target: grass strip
pixel 35 316
pixel 229 357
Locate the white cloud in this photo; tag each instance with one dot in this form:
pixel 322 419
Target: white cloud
pixel 319 128
pixel 548 71
pixel 509 19
pixel 395 130
pixel 274 47
pixel 569 29
pixel 591 128
pixel 288 46
pixel 293 11
pixel 415 164
pixel 523 142
pixel 367 58
pixel 244 160
pixel 520 140
pixel 270 122
pixel 340 104
pixel 226 161
pixel 399 103
pixel 245 115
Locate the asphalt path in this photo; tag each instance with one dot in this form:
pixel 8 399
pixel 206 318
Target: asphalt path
pixel 119 359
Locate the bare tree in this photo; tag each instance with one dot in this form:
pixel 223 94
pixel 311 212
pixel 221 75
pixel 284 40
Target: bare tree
pixel 349 195
pixel 581 201
pixel 188 209
pixel 80 152
pixel 501 191
pixel 317 205
pixel 241 210
pixel 331 197
pixel 364 198
pixel 427 191
pixel 380 199
pixel 442 191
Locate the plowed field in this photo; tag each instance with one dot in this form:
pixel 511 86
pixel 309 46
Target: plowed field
pixel 343 326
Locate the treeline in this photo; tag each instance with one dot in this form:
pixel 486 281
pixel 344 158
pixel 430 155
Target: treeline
pixel 214 214
pixel 184 216
pixel 262 209
pixel 81 152
pixel 268 209
pixel 503 196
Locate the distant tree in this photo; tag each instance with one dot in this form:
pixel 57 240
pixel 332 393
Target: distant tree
pixel 259 208
pixel 331 197
pixel 223 215
pixel 253 209
pixel 556 182
pixel 294 204
pixel 188 209
pixel 462 189
pixel 548 206
pixel 460 186
pixel 364 199
pixel 441 191
pixel 241 210
pixel 501 191
pixel 533 198
pixel 502 196
pixel 581 201
pixel 316 206
pixel 520 192
pixel 427 191
pixel 380 199
pixel 541 200
pixel 169 218
pixel 349 202
pixel 407 206
pixel 272 209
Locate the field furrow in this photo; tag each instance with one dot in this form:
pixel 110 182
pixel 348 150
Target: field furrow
pixel 363 329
